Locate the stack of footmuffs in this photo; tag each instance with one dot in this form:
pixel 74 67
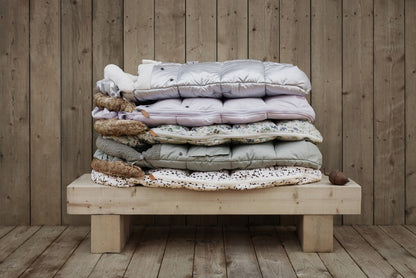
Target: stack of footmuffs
pixel 240 124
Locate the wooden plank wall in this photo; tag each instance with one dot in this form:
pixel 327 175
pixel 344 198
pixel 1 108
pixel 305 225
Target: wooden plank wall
pixel 359 54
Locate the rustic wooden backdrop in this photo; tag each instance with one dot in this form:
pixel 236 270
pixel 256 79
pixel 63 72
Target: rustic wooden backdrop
pixel 360 56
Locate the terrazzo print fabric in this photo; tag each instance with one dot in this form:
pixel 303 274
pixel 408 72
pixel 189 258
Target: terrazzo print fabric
pixel 104 179
pixel 212 135
pixel 219 180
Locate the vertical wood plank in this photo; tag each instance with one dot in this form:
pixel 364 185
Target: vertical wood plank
pixel 76 94
pixel 170 30
pixel 232 43
pixel 138 33
pixel 389 112
pixel 357 102
pixel 107 40
pixel 326 71
pixel 201 45
pixel 14 122
pixel 45 122
pixel 326 78
pixel 410 48
pixel 232 30
pixel 170 47
pixel 263 30
pixel 263 44
pixel 295 46
pixel 138 45
pixel 201 30
pixel 295 27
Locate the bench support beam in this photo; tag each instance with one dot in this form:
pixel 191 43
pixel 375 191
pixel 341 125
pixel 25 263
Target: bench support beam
pixel 109 233
pixel 316 232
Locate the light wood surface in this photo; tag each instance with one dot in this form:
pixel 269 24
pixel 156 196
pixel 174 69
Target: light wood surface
pixel 410 98
pixel 402 236
pixel 14 106
pixel 109 233
pixel 48 250
pixel 371 262
pixel 148 255
pixel 357 102
pixel 81 262
pixel 17 262
pixel 304 264
pixel 239 253
pixel 340 264
pixel 115 265
pixel 57 253
pixel 316 232
pixel 138 33
pixel 14 239
pixel 45 122
pixel 389 143
pixel 397 256
pixel 271 256
pixel 209 259
pixel 232 30
pixel 179 253
pixel 86 197
pixel 76 82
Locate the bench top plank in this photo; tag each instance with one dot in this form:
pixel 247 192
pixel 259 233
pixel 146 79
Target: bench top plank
pixel 86 197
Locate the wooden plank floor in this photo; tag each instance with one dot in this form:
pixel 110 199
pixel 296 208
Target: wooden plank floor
pixel 208 251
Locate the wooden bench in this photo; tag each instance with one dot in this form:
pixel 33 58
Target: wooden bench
pixel 110 208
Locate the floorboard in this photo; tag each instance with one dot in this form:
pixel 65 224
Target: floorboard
pixel 208 251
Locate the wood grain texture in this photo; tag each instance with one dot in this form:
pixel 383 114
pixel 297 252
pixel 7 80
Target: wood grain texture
pixel 340 264
pixel 389 181
pixel 201 30
pixel 396 255
pixel 76 47
pixel 148 255
pixel 170 47
pixel 232 30
pixel 138 44
pixel 304 264
pixel 271 256
pixel 402 236
pixel 357 101
pixel 263 30
pixel 4 230
pixel 239 253
pixel 138 33
pixel 201 45
pixel 115 265
pixel 45 122
pixel 326 78
pixel 50 261
pixel 410 97
pixel 179 253
pixel 14 122
pixel 209 258
pixel 170 30
pixel 14 239
pixel 81 262
pixel 295 46
pixel 326 98
pixel 366 257
pixel 15 264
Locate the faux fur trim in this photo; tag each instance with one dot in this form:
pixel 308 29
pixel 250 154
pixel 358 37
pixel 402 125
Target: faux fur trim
pixel 117 168
pixel 113 104
pixel 116 127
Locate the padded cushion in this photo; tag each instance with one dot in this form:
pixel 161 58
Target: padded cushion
pixel 214 158
pixel 219 180
pixel 208 111
pixel 252 133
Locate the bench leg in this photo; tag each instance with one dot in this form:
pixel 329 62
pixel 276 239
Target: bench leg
pixel 316 232
pixel 109 233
